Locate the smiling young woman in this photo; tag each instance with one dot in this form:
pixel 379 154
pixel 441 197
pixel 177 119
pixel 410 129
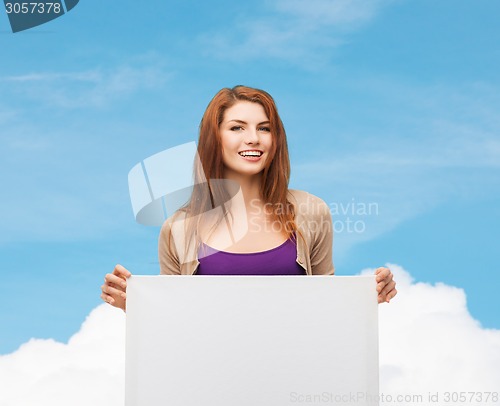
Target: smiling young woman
pixel 259 226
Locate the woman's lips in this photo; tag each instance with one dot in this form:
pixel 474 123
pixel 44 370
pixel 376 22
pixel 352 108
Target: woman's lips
pixel 251 155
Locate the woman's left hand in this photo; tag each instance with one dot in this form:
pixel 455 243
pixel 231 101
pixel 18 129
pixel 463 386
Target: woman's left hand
pixel 386 286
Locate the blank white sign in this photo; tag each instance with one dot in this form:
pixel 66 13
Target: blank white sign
pixel 251 340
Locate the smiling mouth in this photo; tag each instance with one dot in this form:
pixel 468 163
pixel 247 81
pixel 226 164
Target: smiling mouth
pixel 252 154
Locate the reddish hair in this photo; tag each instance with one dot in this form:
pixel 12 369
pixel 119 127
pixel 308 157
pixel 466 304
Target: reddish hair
pixel 275 176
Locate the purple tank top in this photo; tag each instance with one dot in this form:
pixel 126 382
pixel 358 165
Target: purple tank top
pixel 276 261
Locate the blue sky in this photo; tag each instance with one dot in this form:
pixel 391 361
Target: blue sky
pixel 394 103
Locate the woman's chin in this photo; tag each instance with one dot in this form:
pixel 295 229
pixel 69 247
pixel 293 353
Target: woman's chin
pixel 238 173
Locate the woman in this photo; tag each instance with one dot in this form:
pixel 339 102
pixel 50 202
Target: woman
pixel 259 226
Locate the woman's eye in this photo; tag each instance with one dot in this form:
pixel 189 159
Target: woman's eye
pixel 236 128
pixel 266 129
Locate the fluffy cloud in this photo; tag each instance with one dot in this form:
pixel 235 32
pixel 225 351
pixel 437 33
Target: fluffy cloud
pixel 429 343
pixel 88 370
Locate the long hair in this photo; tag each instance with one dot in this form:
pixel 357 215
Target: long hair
pixel 209 193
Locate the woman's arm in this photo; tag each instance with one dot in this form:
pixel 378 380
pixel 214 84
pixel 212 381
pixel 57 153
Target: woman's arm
pixel 167 253
pixel 322 241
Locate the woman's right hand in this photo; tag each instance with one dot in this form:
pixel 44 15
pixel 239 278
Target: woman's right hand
pixel 114 290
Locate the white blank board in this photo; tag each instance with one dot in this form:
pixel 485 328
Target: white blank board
pixel 251 340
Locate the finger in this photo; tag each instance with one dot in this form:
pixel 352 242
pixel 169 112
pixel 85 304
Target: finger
pixel 113 292
pixel 382 273
pixel 387 296
pixel 115 286
pixel 390 286
pixel 121 271
pixel 107 298
pixel 382 298
pixel 386 280
pixel 381 269
pixel 115 280
pixel 391 294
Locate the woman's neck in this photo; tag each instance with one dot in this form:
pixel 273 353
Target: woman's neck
pixel 250 186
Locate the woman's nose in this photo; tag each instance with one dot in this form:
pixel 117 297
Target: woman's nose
pixel 252 136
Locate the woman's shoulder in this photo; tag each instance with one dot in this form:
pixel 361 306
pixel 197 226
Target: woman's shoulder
pixel 308 206
pixel 312 215
pixel 305 201
pixel 173 221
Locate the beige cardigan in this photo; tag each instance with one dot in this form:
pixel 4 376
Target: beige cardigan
pixel 312 217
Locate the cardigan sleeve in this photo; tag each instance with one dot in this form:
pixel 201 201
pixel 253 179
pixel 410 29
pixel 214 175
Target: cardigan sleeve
pixel 321 250
pixel 167 252
pixel 314 221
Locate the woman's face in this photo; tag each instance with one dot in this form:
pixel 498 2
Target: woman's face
pixel 246 139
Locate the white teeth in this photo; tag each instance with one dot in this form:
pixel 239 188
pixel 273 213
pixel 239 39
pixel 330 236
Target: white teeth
pixel 250 153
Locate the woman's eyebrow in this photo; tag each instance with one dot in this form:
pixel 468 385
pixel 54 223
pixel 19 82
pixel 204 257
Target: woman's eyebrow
pixel 244 122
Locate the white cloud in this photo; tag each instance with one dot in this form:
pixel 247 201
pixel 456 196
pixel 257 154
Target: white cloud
pixel 300 32
pixel 428 343
pixel 88 370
